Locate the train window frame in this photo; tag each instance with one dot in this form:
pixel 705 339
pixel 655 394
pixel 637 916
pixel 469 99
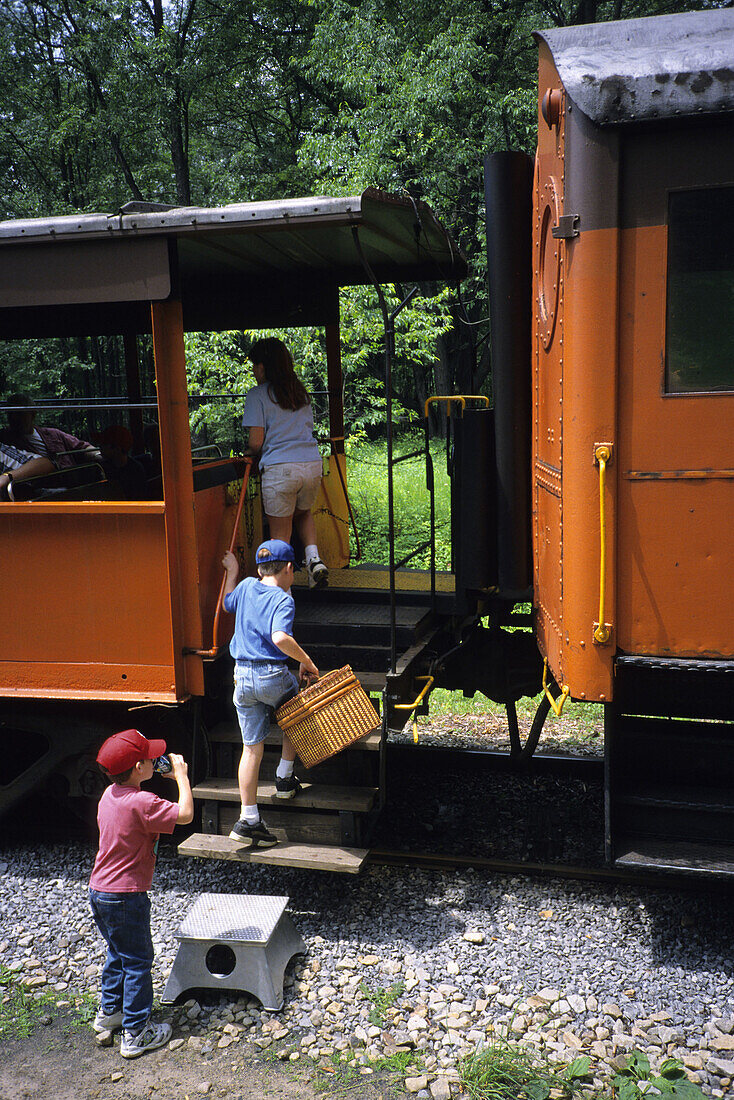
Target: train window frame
pixel 683 224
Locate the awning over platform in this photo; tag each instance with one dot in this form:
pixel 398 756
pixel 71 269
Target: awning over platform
pixel 243 265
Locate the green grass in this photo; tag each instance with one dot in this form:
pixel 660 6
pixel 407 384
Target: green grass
pixel 504 1071
pixel 580 723
pixel 341 1076
pixel 382 999
pixel 20 1009
pixel 367 480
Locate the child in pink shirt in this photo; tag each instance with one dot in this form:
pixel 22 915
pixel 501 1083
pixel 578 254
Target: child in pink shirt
pixel 130 821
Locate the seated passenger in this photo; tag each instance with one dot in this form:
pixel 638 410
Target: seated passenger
pixel 19 465
pixel 50 442
pixel 127 473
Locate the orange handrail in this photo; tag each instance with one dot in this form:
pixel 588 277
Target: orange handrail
pixel 220 598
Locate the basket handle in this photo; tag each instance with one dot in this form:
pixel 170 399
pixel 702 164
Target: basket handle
pixel 307 707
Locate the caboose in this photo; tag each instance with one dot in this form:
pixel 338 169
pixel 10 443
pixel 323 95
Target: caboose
pixel 631 401
pixel 599 486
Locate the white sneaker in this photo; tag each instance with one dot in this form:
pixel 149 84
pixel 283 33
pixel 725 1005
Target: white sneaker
pixel 103 1022
pixel 318 574
pixel 150 1038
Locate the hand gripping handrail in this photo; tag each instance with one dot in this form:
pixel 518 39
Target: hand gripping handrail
pixel 211 653
pixel 602 629
pixel 418 701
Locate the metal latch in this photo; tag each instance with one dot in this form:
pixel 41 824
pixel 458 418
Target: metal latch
pixel 567 227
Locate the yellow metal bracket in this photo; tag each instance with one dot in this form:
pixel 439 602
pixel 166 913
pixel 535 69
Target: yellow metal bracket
pixel 460 399
pixel 602 458
pixel 412 706
pixel 558 704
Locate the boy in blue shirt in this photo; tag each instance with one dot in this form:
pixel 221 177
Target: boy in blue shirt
pixel 261 644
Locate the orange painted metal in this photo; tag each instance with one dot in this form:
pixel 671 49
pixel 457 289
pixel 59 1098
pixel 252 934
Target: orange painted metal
pixel 85 602
pixel 547 391
pixel 574 409
pixel 590 384
pixel 178 493
pixel 676 493
pixel 218 530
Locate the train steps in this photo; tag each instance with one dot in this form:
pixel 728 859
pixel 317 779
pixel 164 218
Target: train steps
pixel 330 823
pixel 670 777
pixel 327 826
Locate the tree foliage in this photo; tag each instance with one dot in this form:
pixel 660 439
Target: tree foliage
pixel 211 101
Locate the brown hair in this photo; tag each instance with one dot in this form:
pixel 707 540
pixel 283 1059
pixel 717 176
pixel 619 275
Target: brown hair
pixel 271 568
pixel 284 385
pixel 122 778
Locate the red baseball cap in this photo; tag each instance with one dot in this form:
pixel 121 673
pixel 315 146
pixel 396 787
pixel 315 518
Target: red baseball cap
pixel 123 750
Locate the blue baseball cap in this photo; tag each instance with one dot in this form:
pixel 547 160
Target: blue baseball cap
pixel 274 550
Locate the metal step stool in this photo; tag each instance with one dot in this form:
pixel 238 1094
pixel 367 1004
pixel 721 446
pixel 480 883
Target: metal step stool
pixel 235 941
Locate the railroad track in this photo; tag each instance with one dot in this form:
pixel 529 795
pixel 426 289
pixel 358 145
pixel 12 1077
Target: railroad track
pixel 527 868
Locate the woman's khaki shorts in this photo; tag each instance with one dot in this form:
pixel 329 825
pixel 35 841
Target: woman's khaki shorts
pixel 290 486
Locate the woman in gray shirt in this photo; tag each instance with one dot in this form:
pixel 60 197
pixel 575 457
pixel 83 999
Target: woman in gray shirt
pixel 279 420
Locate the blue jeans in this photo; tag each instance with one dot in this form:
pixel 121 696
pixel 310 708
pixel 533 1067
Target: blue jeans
pixel 124 921
pixel 259 686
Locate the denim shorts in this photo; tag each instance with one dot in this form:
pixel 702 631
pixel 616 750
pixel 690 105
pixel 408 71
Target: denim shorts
pixel 260 687
pixel 290 486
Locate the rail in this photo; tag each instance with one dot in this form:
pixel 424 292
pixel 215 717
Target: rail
pixel 602 629
pixel 558 704
pixel 340 439
pixel 448 400
pixel 414 705
pixel 210 654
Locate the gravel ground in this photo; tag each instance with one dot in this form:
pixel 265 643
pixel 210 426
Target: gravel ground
pixel 580 732
pixel 562 966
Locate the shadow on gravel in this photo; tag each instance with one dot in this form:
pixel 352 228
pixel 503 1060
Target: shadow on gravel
pixel 469 810
pixel 686 928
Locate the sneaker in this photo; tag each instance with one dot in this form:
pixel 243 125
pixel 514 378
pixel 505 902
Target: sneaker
pixel 104 1022
pixel 318 574
pixel 257 836
pixel 287 788
pixel 150 1038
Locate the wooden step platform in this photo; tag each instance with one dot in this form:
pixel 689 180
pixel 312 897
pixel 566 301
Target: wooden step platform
pixel 286 854
pixel 377 578
pixel 314 796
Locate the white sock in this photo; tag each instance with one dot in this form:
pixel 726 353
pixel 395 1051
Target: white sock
pixel 311 552
pixel 285 768
pixel 251 814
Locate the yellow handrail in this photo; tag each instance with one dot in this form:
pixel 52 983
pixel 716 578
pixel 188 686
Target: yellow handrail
pixel 556 704
pixel 602 630
pixel 461 398
pixel 418 701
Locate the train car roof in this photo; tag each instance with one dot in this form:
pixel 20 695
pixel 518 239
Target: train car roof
pixel 635 70
pixel 242 265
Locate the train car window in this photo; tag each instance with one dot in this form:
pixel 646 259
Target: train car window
pixel 700 301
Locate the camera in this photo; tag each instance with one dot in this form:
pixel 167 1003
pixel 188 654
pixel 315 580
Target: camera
pixel 162 765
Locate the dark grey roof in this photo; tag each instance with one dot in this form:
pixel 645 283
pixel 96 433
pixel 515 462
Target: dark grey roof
pixel 636 70
pixel 395 232
pixel 255 264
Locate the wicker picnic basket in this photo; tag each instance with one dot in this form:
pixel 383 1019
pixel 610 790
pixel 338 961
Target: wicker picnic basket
pixel 328 716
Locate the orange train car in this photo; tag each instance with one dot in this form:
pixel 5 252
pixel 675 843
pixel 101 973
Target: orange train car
pixel 111 607
pixel 631 391
pixel 600 486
